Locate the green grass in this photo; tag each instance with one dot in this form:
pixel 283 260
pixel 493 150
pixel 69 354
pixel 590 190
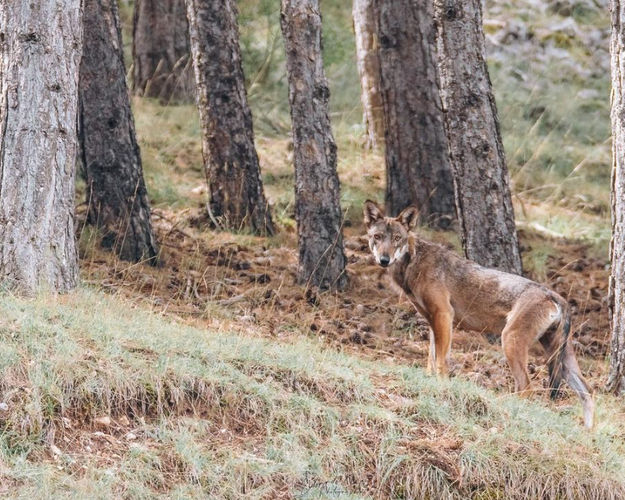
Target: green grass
pixel 229 416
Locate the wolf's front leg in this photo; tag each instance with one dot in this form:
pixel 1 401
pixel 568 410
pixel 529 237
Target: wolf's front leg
pixel 441 326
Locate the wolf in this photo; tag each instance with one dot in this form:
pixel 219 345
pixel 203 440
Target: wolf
pixel 449 290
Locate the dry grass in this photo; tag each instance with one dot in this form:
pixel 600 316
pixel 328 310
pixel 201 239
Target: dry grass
pixel 104 397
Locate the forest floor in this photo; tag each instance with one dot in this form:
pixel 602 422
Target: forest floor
pixel 213 375
pixel 232 282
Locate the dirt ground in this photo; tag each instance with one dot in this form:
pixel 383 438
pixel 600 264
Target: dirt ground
pixel 214 280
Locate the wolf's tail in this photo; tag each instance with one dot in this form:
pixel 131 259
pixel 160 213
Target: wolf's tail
pixel 556 358
pixel 563 366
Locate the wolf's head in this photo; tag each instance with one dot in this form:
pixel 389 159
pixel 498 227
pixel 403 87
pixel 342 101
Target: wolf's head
pixel 388 236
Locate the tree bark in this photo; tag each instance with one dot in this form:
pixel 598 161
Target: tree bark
pixel 40 49
pixel 363 13
pixel 317 190
pixel 162 65
pixel 230 158
pixel 417 157
pixel 483 200
pixel 616 376
pixel 116 193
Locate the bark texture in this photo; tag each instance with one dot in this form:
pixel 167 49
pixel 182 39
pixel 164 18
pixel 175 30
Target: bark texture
pixel 616 377
pixel 162 65
pixel 418 171
pixel 40 49
pixel 483 200
pixel 116 193
pixel 363 13
pixel 317 190
pixel 230 158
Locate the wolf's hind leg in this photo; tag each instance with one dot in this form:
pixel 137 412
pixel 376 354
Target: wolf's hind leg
pixel 515 340
pixel 527 321
pixel 515 348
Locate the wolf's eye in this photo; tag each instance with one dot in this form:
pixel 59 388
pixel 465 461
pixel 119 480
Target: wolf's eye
pixel 377 237
pixel 398 237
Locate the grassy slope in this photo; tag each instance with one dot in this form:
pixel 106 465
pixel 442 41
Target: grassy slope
pixel 230 416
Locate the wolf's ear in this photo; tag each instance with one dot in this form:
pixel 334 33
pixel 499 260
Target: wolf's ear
pixel 409 217
pixel 372 212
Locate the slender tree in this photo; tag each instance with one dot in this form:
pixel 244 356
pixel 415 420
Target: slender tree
pixel 161 56
pixel 40 49
pixel 230 158
pixel 616 377
pixel 317 204
pixel 116 193
pixel 483 198
pixel 417 158
pixel 363 13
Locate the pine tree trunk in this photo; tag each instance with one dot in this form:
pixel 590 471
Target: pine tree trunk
pixel 616 377
pixel 40 49
pixel 483 198
pixel 116 193
pixel 162 65
pixel 230 158
pixel 418 171
pixel 369 70
pixel 317 204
